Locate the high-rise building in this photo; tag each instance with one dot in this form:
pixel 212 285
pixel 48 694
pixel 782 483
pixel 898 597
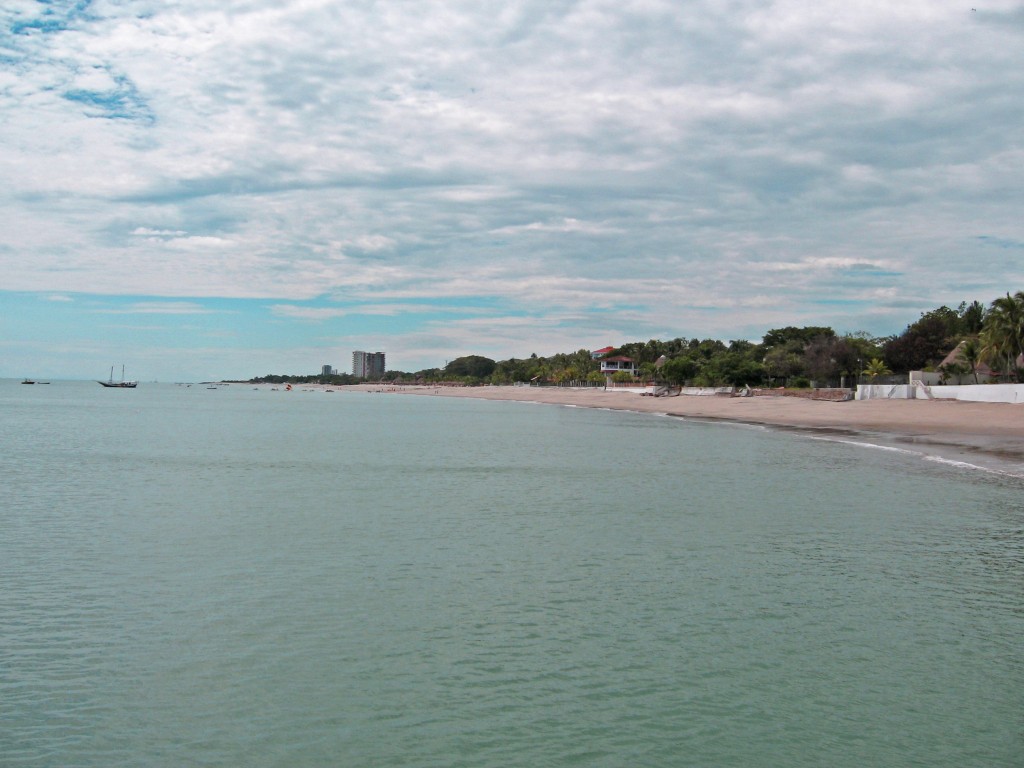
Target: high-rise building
pixel 368 365
pixel 327 371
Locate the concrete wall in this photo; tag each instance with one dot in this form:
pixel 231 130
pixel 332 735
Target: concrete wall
pixel 980 393
pixel 884 392
pixel 930 378
pixel 707 391
pixel 976 393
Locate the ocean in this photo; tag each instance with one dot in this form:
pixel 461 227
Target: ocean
pixel 247 577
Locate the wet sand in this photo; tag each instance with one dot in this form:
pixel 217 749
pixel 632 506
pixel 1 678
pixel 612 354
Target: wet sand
pixel 954 430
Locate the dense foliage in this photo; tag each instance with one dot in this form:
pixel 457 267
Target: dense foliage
pixel 1002 335
pixel 789 356
pixel 338 379
pixel 471 366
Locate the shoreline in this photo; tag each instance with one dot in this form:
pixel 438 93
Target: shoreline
pixel 986 435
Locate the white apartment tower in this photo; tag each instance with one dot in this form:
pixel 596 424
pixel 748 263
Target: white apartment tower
pixel 368 365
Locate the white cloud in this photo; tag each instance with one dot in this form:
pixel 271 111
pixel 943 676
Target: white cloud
pixel 199 241
pixel 147 232
pixel 560 156
pixel 565 225
pixel 307 313
pixel 157 308
pixel 372 243
pixel 826 263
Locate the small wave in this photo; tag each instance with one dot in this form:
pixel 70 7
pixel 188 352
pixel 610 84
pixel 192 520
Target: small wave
pixel 748 425
pixel 968 465
pixel 862 444
pixel 960 464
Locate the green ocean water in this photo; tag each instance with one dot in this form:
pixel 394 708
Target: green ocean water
pixel 257 578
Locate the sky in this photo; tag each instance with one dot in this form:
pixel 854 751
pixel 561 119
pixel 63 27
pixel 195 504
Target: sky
pixel 201 190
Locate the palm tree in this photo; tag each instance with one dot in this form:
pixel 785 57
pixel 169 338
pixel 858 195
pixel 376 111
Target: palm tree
pixel 950 370
pixel 875 369
pixel 1002 337
pixel 970 353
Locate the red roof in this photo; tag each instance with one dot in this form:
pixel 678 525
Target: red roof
pixel 602 351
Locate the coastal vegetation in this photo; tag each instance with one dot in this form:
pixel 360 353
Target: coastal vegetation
pixel 786 357
pixel 875 369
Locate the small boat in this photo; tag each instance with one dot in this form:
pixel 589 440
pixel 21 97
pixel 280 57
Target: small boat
pixel 28 381
pixel 122 384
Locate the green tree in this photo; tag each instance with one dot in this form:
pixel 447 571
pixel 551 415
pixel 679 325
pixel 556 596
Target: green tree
pixel 790 352
pixel 1002 336
pixel 566 375
pixel 827 358
pixel 925 342
pixel 784 362
pixel 969 352
pixel 877 368
pixel 733 368
pixel 470 366
pixel 972 318
pixel 680 370
pixel 778 337
pixel 507 371
pixel 865 345
pixel 953 370
pixel 706 349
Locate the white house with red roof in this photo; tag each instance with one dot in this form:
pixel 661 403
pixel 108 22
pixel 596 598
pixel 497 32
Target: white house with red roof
pixel 611 364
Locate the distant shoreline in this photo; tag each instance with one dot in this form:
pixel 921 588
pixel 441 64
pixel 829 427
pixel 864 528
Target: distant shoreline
pixel 992 433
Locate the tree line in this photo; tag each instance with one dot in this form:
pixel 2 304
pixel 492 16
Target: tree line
pixel 790 356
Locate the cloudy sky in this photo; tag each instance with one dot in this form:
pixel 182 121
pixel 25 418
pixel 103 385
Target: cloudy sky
pixel 206 189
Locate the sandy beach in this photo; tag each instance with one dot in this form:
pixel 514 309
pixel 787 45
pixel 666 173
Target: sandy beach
pixel 955 430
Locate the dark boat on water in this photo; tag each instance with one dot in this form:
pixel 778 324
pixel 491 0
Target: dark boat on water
pixel 122 384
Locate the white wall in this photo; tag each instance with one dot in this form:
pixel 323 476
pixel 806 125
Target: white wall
pixel 977 393
pixel 981 393
pixel 707 391
pixel 927 377
pixel 884 392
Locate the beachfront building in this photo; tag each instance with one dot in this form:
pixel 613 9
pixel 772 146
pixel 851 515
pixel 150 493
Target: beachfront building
pixel 612 365
pixel 368 365
pixel 327 370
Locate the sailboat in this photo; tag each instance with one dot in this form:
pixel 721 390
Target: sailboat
pixel 122 384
